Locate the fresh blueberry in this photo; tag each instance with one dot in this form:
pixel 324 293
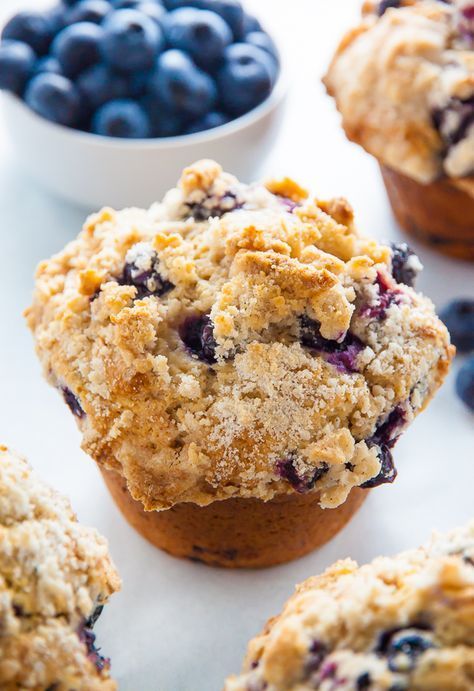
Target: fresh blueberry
pixel 301 483
pixel 77 47
pixel 72 402
pixel 17 62
pixel 197 334
pixel 99 85
pixel 47 64
pixel 207 122
pixel 200 33
pixel 133 4
pixel 164 122
pixel 405 264
pixel 132 41
pixel 251 23
pixel 245 79
pixel 230 10
pixel 152 9
pixel 384 5
pixel 142 271
pixel 182 85
pixel 458 315
pixel 56 17
pixel 55 98
pixel 88 11
pixel 465 383
pixel 262 40
pixel 121 118
pixel 32 28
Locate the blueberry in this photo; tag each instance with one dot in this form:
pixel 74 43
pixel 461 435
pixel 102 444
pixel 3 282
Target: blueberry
pixel 214 206
pixel 316 655
pixel 56 17
pixel 207 122
pixel 230 10
pixel 88 11
pixel 32 28
pixel 343 355
pixel 17 62
pixel 245 79
pixel 385 438
pixel 200 33
pixel 454 121
pixel 363 681
pixel 142 271
pixel 47 64
pixel 405 264
pixel 384 5
pixel 164 123
pixel 404 646
pixel 55 98
pixel 99 85
pixel 121 118
pixel 132 41
pixel 182 85
pixel 78 47
pixel 301 483
pixel 133 4
pixel 152 9
pixel 197 334
pixel 92 620
pixel 87 636
pixel 262 40
pixel 387 473
pixel 458 315
pixel 72 402
pixel 387 296
pixel 465 383
pixel 251 23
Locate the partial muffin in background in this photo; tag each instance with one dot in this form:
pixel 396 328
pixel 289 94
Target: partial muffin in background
pixel 403 623
pixel 403 81
pixel 55 577
pixel 240 362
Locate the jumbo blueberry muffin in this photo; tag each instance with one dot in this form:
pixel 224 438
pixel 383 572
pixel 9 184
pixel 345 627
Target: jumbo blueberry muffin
pixel 55 577
pixel 240 362
pixel 403 81
pixel 403 623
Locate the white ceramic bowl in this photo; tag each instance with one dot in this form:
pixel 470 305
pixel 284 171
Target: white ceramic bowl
pixel 94 171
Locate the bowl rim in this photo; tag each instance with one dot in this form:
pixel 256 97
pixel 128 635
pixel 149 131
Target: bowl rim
pixel 278 93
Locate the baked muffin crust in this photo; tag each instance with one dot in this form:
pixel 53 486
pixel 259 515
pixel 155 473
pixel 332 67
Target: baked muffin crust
pixel 403 81
pixel 403 623
pixel 237 341
pixel 55 577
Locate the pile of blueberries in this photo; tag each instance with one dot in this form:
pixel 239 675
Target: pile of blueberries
pixel 458 316
pixel 139 68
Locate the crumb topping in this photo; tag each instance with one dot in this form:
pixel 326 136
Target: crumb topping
pixel 55 577
pixel 202 354
pixel 403 81
pixel 403 623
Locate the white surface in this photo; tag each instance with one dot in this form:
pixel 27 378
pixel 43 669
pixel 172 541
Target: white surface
pixel 178 626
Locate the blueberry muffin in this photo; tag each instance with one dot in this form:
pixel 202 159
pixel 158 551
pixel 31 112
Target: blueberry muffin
pixel 403 81
pixel 237 356
pixel 55 577
pixel 403 623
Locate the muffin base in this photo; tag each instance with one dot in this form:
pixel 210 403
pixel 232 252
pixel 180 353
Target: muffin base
pixel 440 214
pixel 237 533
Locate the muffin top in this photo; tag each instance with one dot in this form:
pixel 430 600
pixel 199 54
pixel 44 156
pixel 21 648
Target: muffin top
pixel 237 340
pixel 55 576
pixel 403 81
pixel 403 623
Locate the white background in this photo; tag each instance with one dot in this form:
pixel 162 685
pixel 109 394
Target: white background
pixel 178 626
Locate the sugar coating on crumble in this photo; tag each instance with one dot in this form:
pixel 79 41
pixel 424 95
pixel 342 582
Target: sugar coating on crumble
pixel 55 575
pixel 403 81
pixel 237 340
pixel 403 623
